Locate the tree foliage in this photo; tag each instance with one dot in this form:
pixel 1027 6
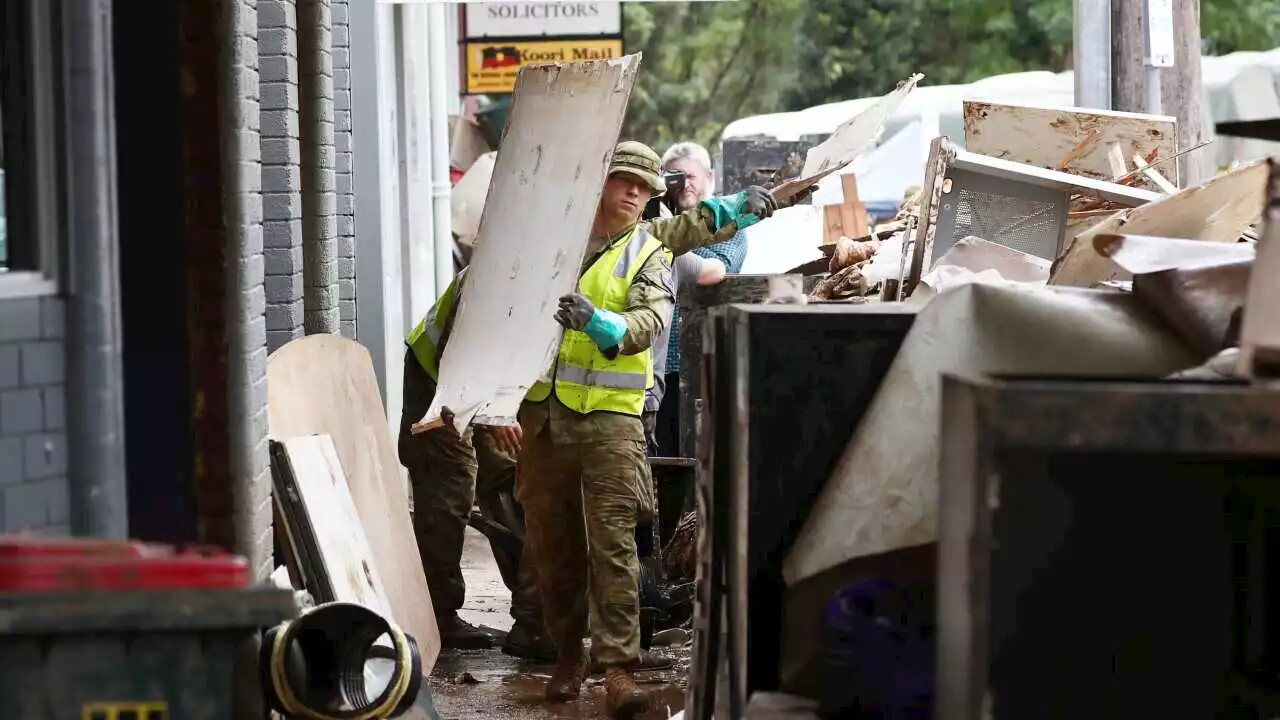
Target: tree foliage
pixel 709 63
pixel 864 47
pixel 706 64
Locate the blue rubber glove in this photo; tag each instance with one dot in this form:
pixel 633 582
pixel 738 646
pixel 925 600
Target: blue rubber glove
pixel 605 328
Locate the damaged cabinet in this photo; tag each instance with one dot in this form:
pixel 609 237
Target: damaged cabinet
pixel 1107 549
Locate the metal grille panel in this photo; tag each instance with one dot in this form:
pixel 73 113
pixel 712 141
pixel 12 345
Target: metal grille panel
pixel 1025 217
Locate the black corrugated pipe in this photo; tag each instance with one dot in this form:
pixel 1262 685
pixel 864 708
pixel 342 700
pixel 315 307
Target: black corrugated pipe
pixel 95 405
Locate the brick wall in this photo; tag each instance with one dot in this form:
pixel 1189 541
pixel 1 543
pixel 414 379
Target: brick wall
pixel 247 336
pixel 319 180
pixel 343 167
pixel 33 452
pixel 281 169
pixel 226 273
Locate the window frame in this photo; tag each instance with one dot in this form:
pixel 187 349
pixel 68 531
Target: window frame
pixel 31 93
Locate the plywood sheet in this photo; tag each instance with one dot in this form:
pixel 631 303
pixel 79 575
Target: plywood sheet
pixel 1068 139
pixel 856 135
pixel 883 493
pixel 324 384
pixel 340 537
pixel 563 124
pixel 1217 211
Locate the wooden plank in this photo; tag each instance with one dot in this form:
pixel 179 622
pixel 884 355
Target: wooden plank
pixel 1217 211
pixel 1154 175
pixel 849 218
pixel 547 179
pixel 324 384
pixel 1260 323
pixel 340 538
pixel 856 135
pixel 1052 138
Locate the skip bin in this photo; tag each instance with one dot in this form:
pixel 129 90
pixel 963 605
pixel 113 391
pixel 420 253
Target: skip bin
pixel 95 630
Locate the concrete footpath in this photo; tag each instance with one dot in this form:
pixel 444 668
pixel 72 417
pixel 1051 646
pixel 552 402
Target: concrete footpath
pixel 470 685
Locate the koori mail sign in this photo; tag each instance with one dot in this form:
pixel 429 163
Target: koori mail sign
pixel 566 18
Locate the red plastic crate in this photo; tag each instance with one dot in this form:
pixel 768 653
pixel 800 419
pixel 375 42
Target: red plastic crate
pixel 38 564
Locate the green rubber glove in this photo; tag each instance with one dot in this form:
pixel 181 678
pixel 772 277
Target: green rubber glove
pixel 745 208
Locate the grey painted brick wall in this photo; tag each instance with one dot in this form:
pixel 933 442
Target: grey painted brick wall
pixel 247 382
pixel 343 167
pixel 319 180
pixel 281 169
pixel 33 443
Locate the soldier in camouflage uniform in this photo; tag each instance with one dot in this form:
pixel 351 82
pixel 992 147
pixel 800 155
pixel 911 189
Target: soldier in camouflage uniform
pixel 583 476
pixel 447 471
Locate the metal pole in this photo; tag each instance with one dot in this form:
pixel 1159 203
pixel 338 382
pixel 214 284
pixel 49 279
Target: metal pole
pixel 1093 53
pixel 441 187
pixel 95 407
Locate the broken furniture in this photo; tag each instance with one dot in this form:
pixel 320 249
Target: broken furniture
pixel 1019 206
pixel 788 384
pixel 1107 549
pixel 1072 140
pixel 882 495
pixel 695 301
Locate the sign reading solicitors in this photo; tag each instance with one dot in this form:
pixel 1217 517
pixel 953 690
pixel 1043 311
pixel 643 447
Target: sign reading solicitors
pixel 533 19
pixel 492 66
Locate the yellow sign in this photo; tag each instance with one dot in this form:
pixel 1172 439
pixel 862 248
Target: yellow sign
pixel 492 64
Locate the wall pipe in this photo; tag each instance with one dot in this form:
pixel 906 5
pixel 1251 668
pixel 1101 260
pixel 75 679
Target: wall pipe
pixel 97 493
pixel 441 185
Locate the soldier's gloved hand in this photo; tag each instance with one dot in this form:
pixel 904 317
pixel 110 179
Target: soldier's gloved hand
pixel 606 329
pixel 650 421
pixel 760 202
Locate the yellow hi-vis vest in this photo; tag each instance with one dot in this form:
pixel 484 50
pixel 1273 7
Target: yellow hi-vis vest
pixel 424 339
pixel 585 380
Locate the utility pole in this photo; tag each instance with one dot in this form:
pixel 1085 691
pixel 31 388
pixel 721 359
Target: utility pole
pixel 1155 69
pixel 1128 49
pixel 1182 90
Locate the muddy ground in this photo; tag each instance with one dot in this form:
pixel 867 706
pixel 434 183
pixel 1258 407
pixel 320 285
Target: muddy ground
pixel 488 684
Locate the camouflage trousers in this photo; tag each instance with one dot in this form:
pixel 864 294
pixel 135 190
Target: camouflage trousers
pixel 446 470
pixel 582 502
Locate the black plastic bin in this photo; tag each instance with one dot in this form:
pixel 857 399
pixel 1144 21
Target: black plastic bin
pixel 161 644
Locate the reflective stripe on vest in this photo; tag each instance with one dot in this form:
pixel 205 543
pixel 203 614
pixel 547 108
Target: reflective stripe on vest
pixel 585 380
pixel 424 339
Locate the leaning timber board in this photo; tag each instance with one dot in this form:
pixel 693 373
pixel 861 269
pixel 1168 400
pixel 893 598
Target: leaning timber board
pixel 1220 210
pixel 1070 140
pixel 324 384
pixel 547 179
pixel 340 537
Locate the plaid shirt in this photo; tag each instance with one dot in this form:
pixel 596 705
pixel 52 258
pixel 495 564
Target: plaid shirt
pixel 732 253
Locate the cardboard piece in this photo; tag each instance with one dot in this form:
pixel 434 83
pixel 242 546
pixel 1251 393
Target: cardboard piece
pixel 325 385
pixel 858 134
pixel 563 124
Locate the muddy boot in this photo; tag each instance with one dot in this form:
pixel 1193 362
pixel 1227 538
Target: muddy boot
pixel 457 634
pixel 566 682
pixel 529 643
pixel 623 698
pixel 649 660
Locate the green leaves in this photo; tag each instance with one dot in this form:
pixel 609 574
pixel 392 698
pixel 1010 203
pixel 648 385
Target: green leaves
pixel 707 64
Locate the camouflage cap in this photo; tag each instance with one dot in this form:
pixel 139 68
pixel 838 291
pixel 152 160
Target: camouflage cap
pixel 637 159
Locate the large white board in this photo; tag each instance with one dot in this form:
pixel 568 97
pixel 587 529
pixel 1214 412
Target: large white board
pixel 563 123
